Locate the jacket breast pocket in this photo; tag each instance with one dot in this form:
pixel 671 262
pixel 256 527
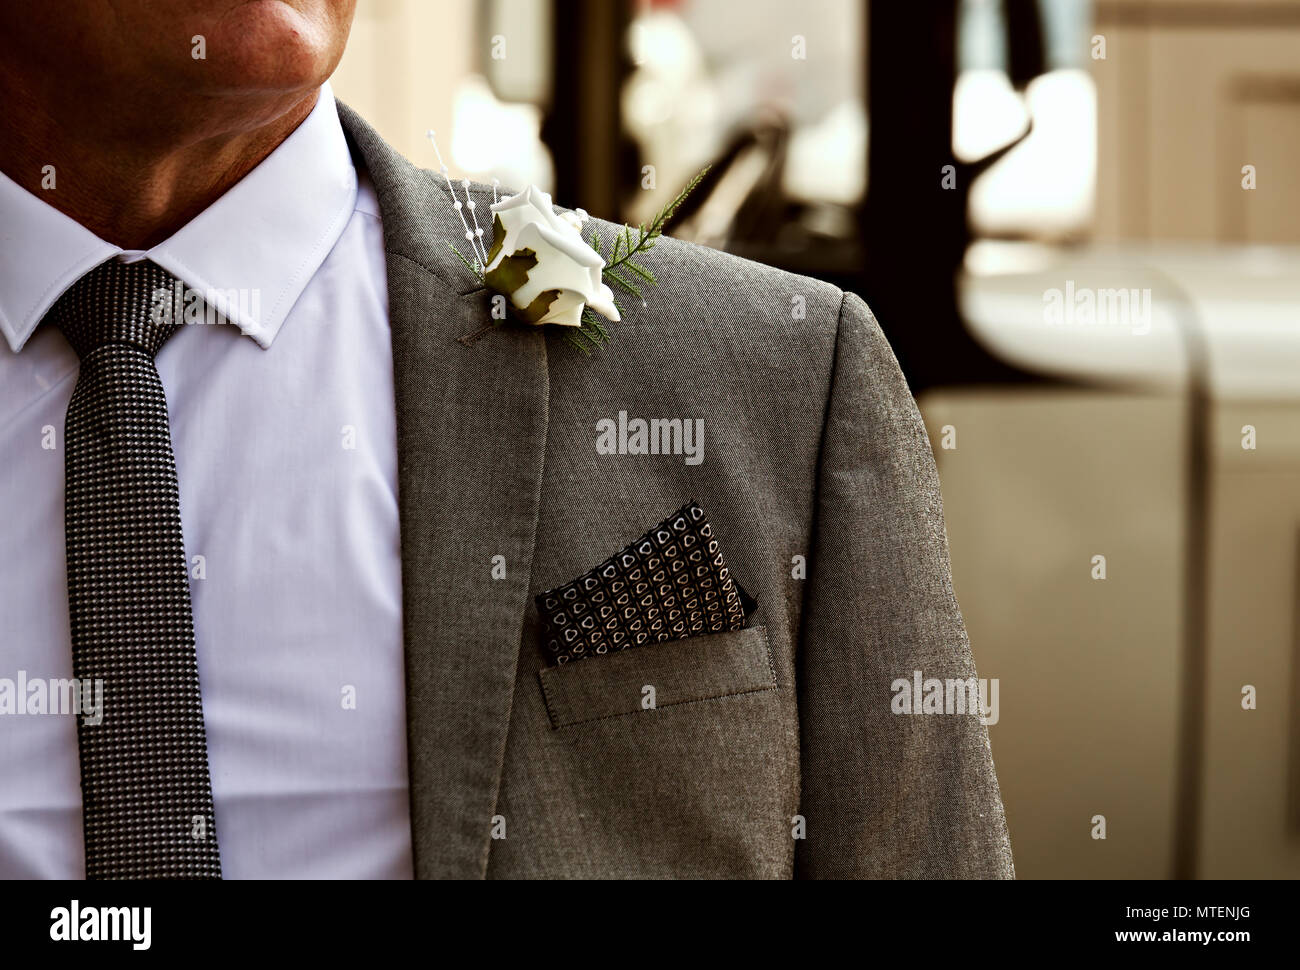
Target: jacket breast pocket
pixel 657 676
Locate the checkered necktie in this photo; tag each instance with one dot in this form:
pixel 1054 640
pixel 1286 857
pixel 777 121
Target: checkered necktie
pixel 146 795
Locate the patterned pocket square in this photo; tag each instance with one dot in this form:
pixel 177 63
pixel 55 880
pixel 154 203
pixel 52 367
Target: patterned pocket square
pixel 670 584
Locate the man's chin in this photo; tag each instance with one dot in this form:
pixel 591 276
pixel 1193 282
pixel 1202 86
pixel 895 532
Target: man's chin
pixel 269 46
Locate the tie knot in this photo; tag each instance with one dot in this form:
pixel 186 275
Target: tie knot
pixel 118 303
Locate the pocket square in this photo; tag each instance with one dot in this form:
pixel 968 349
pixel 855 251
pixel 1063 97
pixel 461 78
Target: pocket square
pixel 670 584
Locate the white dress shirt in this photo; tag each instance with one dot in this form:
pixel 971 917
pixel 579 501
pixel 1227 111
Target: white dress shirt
pixel 286 451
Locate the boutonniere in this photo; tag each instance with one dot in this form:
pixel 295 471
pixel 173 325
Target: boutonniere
pixel 543 269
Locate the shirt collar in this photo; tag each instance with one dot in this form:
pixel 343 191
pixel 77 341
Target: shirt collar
pixel 250 254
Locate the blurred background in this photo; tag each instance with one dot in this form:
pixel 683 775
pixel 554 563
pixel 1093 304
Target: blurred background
pixel 1078 222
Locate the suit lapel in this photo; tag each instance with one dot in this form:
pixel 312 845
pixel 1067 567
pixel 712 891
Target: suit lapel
pixel 471 439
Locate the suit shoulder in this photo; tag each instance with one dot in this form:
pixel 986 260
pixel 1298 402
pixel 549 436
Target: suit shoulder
pixel 700 287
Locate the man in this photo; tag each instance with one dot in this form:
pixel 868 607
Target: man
pixel 297 558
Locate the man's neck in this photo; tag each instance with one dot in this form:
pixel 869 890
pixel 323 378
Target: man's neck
pixel 134 188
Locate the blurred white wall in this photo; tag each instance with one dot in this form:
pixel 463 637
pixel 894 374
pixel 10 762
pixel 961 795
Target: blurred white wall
pixel 1191 91
pixel 1038 483
pixel 404 62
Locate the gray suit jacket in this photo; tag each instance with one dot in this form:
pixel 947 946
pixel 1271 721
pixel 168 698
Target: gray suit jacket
pixel 772 751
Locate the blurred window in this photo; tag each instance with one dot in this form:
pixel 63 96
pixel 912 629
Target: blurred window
pixel 706 72
pixel 1045 186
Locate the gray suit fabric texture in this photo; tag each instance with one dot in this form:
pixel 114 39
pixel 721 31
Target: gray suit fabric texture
pixel 769 752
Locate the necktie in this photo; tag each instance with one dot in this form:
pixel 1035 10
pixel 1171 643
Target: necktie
pixel 146 794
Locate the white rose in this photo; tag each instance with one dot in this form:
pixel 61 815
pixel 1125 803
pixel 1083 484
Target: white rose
pixel 566 274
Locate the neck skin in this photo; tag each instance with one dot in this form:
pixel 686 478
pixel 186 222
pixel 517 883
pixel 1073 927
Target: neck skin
pixel 135 181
